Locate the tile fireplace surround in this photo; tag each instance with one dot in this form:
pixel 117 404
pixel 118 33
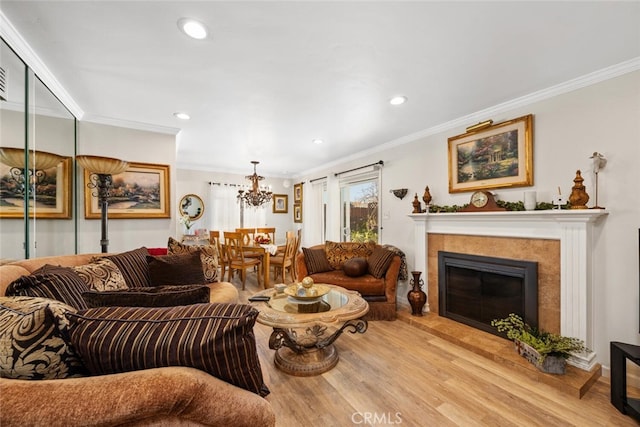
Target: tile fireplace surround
pixel 572 228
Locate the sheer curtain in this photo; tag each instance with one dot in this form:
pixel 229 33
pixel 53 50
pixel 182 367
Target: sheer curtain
pixel 225 210
pixel 255 217
pixel 314 232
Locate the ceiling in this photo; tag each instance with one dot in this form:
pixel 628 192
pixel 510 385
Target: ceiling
pixel 272 76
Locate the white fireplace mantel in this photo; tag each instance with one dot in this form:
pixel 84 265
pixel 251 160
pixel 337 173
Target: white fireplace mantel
pixel 572 227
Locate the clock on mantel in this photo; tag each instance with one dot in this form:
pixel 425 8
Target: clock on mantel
pixel 482 201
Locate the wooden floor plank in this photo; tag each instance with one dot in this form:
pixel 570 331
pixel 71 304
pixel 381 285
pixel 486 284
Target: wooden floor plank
pixel 396 369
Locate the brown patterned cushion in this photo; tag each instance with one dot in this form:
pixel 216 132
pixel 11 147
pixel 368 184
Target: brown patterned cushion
pixel 178 269
pixel 53 282
pixel 32 340
pixel 154 296
pixel 133 265
pixel 355 267
pixel 339 252
pixel 316 261
pixel 101 275
pixel 208 256
pixel 379 262
pixel 215 338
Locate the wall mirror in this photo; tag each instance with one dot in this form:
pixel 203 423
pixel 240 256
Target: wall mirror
pixel 192 205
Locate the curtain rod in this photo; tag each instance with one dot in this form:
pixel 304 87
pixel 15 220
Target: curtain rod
pixel 381 163
pixel 224 183
pixel 318 179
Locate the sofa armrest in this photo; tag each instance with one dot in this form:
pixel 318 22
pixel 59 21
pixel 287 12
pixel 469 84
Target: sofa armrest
pixel 172 394
pixel 391 279
pixel 301 267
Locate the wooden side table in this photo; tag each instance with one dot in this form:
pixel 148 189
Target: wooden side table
pixel 620 352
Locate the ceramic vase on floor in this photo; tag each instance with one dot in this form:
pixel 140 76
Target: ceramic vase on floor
pixel 416 296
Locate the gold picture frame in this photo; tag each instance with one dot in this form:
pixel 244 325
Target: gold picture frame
pixel 142 191
pixel 53 195
pixel 297 193
pixel 495 156
pixel 280 203
pixel 297 213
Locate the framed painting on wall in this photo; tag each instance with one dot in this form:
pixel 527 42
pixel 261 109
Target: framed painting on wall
pixel 297 193
pixel 297 213
pixel 142 191
pixel 495 156
pixel 280 203
pixel 52 192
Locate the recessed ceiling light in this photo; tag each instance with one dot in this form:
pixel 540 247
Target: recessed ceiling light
pixel 192 28
pixel 182 116
pixel 398 100
pixel 317 141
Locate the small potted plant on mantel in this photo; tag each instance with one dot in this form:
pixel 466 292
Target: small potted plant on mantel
pixel 549 352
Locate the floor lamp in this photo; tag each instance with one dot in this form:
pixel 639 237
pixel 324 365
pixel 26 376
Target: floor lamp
pixel 102 170
pixel 39 162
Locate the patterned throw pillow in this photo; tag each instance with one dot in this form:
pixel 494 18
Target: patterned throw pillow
pixel 339 252
pixel 101 275
pixel 179 269
pixel 155 296
pixel 133 266
pixel 32 340
pixel 215 338
pixel 208 256
pixel 379 262
pixel 316 261
pixel 53 282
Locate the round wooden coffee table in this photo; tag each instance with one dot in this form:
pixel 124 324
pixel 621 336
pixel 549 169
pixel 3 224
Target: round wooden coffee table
pixel 304 331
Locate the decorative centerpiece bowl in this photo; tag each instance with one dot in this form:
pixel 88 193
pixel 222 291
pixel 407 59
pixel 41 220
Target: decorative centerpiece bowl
pixel 299 292
pixel 262 239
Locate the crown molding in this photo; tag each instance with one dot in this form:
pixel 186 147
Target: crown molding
pixel 130 124
pixel 33 61
pixel 597 76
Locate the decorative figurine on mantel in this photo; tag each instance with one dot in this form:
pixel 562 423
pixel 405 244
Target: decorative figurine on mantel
pixel 417 208
pixel 579 197
pixel 426 197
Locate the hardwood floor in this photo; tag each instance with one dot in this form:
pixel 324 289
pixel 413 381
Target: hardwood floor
pixel 397 374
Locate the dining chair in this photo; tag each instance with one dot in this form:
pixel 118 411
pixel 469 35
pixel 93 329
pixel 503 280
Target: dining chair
pixel 236 258
pixel 214 239
pixel 295 253
pixel 281 263
pixel 248 235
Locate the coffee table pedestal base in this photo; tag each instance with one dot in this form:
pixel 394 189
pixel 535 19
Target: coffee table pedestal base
pixel 315 361
pixel 308 352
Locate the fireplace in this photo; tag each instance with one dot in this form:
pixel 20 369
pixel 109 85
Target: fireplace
pixel 572 231
pixel 474 289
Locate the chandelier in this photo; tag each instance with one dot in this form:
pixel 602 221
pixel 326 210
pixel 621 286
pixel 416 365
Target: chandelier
pixel 257 195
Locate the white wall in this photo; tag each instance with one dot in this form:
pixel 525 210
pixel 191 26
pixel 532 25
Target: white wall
pixel 197 182
pixel 604 117
pixel 136 146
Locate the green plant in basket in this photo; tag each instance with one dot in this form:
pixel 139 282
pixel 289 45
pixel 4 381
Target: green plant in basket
pixel 545 343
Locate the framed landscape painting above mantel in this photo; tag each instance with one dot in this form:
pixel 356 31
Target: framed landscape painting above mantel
pixel 495 156
pixel 142 191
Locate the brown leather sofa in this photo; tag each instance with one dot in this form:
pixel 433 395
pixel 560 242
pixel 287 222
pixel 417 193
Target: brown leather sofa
pixel 379 293
pixel 161 396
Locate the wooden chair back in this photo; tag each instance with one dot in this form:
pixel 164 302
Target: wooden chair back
pixel 233 243
pixel 247 235
pixel 270 231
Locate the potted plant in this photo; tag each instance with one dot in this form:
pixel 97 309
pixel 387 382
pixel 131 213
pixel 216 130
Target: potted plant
pixel 545 350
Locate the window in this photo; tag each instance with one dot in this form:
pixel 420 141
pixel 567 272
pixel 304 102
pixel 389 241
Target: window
pixel 359 207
